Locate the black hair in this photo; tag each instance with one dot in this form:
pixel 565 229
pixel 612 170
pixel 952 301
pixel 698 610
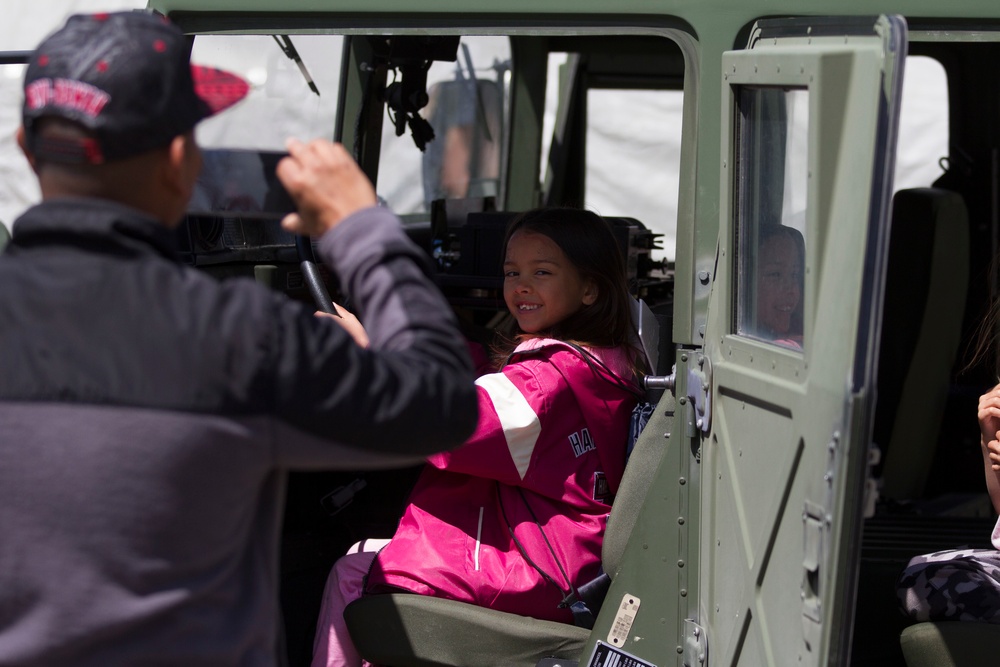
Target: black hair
pixel 982 348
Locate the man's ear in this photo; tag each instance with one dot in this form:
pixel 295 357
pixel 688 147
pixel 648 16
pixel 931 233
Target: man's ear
pixel 182 164
pixel 174 165
pixel 590 293
pixel 22 143
pixel 168 165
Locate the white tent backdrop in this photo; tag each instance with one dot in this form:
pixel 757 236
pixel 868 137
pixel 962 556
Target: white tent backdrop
pixel 923 133
pixel 25 24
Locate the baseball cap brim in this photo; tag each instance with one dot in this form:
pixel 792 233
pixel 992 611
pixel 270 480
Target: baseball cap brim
pixel 218 88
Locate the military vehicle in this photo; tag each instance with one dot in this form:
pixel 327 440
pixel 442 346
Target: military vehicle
pixel 787 474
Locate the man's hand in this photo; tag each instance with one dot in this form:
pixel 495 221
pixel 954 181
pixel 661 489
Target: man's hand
pixel 325 183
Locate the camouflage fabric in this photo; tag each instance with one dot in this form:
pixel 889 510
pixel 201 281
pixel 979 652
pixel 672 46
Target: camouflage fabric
pixel 953 585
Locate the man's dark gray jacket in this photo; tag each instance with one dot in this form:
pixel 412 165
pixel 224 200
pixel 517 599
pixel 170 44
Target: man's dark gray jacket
pixel 148 416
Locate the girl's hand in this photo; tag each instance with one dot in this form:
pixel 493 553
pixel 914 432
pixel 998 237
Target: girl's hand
pixel 994 452
pixel 989 415
pixel 350 323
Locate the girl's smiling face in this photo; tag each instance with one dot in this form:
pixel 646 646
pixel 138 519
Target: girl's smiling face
pixel 778 284
pixel 541 286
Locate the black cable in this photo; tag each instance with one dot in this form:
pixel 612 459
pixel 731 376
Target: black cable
pixel 567 594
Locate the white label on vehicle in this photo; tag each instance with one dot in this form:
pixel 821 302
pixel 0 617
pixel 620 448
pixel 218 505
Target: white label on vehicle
pixel 609 656
pixel 623 620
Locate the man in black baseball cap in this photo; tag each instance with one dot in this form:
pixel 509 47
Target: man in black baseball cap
pixel 126 79
pixel 148 413
pixel 111 90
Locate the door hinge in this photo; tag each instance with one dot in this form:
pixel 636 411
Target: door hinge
pixel 695 645
pixel 699 393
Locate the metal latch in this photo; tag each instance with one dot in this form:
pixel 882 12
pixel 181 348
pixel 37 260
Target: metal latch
pixel 813 529
pixel 698 402
pixel 667 382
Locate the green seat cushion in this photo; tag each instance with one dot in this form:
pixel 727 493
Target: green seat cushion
pixel 408 630
pixel 951 644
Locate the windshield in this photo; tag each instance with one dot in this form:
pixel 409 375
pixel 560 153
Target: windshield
pixel 281 102
pixel 294 85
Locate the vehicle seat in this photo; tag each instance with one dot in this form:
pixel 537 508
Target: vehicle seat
pixel 921 331
pixel 951 644
pixel 408 630
pixel 926 284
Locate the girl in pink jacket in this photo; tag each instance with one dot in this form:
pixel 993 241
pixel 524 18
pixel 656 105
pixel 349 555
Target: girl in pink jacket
pixel 513 519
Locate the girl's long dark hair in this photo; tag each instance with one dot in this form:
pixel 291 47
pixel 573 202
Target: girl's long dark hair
pixel 588 242
pixel 982 348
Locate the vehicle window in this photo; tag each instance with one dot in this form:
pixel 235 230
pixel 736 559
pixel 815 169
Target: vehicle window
pixel 923 123
pixel 553 85
pixel 634 156
pixel 633 152
pixel 772 173
pixel 294 85
pixel 20 187
pixel 465 111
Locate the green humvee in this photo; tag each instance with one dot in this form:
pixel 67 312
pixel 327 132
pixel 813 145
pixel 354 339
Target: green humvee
pixel 791 468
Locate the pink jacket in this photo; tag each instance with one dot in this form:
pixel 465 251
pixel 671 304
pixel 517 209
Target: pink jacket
pixel 552 435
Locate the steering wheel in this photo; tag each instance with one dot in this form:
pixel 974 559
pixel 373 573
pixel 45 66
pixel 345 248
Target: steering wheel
pixel 313 278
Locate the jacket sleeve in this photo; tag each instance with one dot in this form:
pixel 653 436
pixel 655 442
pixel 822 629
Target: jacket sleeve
pixel 511 405
pixel 411 390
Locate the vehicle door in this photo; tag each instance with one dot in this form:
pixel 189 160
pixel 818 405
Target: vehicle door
pixel 785 391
